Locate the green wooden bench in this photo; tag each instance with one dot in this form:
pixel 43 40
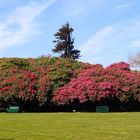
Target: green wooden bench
pixel 13 109
pixel 102 109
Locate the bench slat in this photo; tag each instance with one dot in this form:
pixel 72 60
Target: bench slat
pixel 13 109
pixel 102 109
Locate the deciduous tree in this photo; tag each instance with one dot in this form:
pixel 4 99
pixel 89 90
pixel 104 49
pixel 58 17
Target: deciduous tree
pixel 134 60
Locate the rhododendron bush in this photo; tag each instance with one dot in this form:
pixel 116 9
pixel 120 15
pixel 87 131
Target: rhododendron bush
pixel 33 80
pixel 96 82
pixel 46 81
pixel 25 86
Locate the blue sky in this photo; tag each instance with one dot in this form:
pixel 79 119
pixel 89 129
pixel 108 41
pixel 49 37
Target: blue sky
pixel 106 31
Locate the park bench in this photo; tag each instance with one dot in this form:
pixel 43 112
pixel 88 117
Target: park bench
pixel 13 109
pixel 102 109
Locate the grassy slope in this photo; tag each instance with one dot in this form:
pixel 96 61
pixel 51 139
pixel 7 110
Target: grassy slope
pixel 70 126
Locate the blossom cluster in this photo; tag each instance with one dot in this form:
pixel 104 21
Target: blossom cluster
pixel 33 80
pixel 96 82
pixel 60 81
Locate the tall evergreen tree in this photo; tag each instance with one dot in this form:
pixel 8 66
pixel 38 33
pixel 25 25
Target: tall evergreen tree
pixel 64 43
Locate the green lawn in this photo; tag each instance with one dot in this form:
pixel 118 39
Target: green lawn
pixel 70 126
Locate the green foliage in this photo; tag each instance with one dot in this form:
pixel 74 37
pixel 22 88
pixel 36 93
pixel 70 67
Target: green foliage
pixel 31 82
pixel 20 63
pixel 40 83
pixel 62 72
pixel 65 43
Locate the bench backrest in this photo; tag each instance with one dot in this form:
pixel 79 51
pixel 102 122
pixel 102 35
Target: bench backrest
pixel 102 109
pixel 14 107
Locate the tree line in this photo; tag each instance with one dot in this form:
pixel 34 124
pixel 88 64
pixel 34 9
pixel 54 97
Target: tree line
pixel 63 84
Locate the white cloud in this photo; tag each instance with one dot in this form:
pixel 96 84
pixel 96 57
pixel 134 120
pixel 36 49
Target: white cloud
pixel 92 59
pixel 120 7
pixel 20 25
pixel 112 43
pixel 77 8
pixel 95 43
pixel 135 43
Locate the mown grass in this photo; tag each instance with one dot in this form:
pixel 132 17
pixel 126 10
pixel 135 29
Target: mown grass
pixel 70 126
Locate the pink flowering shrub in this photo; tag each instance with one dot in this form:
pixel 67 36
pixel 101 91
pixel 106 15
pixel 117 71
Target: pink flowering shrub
pixel 33 80
pixel 26 86
pixel 97 82
pixel 45 81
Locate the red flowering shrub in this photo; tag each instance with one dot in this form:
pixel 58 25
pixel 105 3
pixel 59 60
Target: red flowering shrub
pixel 95 83
pixel 128 81
pixel 33 80
pixel 64 81
pixel 25 85
pixel 119 66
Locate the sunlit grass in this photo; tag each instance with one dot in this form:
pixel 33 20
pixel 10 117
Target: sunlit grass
pixel 70 126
